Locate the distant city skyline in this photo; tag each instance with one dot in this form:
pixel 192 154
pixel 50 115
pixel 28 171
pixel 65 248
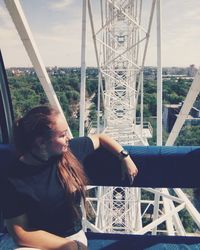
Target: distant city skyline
pixel 56 27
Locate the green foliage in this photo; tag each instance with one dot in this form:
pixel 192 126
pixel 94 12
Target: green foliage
pixel 23 95
pixel 188 223
pixel 74 126
pixel 27 92
pixel 150 103
pixel 174 92
pixel 92 86
pixel 189 136
pixel 93 113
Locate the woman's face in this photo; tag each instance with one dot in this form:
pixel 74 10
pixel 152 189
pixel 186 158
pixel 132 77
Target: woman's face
pixel 59 141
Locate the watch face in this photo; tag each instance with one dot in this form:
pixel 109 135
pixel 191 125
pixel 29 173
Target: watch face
pixel 124 153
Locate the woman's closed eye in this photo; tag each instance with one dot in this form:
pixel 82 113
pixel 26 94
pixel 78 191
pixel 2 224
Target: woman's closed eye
pixel 63 134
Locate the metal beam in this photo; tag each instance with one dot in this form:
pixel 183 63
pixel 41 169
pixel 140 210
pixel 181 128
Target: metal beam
pixel 83 71
pixel 167 209
pixel 189 206
pixel 159 74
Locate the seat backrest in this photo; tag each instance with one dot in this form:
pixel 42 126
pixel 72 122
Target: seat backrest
pixel 159 166
pixel 7 156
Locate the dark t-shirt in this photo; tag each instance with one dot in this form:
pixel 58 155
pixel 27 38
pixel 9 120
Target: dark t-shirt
pixel 38 192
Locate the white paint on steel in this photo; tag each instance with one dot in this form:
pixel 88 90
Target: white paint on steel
pixel 83 71
pixel 189 206
pixel 156 210
pixel 161 219
pixel 159 74
pixel 176 219
pixel 169 221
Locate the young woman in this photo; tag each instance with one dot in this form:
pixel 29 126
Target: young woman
pixel 44 189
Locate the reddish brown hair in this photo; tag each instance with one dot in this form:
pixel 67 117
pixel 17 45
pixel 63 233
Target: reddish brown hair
pixel 38 122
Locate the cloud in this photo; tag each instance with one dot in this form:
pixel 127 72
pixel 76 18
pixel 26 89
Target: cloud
pixel 61 45
pixel 58 36
pixel 193 14
pixel 3 12
pixel 60 5
pixel 5 19
pixel 8 34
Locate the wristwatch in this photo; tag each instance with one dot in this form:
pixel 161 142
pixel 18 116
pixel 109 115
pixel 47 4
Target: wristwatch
pixel 123 154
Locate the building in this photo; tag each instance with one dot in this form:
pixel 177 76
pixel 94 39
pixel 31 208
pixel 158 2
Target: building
pixel 171 112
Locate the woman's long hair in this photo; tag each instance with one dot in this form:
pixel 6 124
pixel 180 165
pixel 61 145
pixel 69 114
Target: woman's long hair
pixel 38 122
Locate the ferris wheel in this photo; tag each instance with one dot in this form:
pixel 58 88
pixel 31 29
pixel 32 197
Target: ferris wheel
pixel 121 39
pixel 121 42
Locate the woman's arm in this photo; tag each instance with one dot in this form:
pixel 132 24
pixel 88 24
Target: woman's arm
pixel 18 229
pixel 114 147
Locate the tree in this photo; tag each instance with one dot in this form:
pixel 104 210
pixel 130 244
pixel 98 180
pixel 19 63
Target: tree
pixel 189 136
pixel 23 100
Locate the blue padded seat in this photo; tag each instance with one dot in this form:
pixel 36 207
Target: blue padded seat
pixel 172 167
pixel 158 167
pixel 99 241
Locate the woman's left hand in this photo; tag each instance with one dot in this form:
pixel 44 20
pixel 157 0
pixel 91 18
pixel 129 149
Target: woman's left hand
pixel 129 168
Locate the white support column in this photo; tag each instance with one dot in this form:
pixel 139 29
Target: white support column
pixel 138 215
pixel 155 212
pixel 167 209
pixel 22 26
pixel 99 102
pixel 98 222
pixel 147 42
pixel 83 71
pixel 159 74
pixel 141 102
pixel 176 219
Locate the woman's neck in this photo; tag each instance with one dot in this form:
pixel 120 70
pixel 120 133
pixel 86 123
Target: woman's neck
pixel 38 158
pixel 34 158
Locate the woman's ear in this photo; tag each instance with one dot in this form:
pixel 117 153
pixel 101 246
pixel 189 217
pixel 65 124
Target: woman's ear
pixel 41 145
pixel 39 142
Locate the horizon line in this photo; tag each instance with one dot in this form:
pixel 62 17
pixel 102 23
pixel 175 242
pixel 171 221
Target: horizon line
pixel 152 66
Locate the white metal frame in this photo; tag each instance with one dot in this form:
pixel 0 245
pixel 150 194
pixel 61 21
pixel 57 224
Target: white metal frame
pixel 112 214
pixel 121 95
pixel 167 206
pixel 83 71
pixel 117 47
pixel 159 74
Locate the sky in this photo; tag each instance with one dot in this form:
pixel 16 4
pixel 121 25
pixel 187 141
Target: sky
pixel 56 28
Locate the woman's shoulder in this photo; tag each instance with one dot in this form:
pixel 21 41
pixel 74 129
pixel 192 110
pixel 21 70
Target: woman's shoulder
pixel 81 147
pixel 80 140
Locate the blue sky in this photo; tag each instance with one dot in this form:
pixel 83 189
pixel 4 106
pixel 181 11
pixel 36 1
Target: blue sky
pixel 56 27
